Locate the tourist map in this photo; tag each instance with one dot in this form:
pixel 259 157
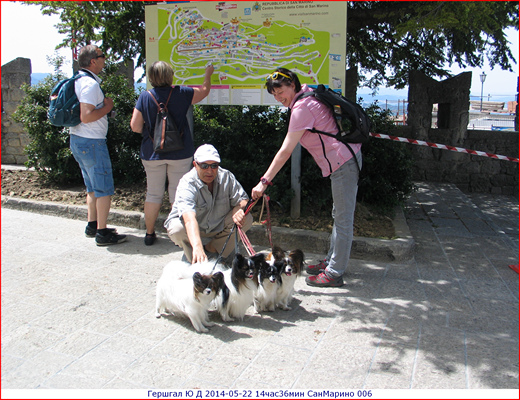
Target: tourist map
pixel 246 41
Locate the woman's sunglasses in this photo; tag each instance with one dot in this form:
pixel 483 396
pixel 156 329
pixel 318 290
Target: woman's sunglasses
pixel 275 75
pixel 206 165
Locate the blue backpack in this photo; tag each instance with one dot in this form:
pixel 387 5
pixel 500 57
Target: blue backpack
pixel 64 109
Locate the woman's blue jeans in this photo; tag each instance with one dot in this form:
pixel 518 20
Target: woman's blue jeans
pixel 344 182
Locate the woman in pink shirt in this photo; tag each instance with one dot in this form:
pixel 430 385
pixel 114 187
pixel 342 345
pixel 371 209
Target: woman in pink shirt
pixel 333 158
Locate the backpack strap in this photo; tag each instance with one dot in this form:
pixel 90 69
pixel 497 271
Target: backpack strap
pixel 337 119
pixel 159 108
pixel 156 102
pixel 78 75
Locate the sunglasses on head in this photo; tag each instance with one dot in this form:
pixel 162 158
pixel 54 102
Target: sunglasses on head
pixel 275 76
pixel 206 165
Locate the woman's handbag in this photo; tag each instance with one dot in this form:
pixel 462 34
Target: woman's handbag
pixel 166 135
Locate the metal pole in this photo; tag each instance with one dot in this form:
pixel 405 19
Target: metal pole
pixel 296 159
pixel 482 79
pixel 481 95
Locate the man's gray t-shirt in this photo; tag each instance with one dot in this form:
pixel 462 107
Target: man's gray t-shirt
pixel 210 209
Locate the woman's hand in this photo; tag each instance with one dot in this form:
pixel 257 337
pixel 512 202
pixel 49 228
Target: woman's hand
pixel 258 191
pixel 209 70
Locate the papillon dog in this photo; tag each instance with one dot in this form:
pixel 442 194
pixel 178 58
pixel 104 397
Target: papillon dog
pixel 269 281
pixel 190 296
pixel 293 265
pixel 241 283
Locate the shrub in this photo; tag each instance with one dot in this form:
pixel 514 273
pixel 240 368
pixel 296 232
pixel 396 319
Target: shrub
pixel 49 153
pixel 247 139
pixel 386 178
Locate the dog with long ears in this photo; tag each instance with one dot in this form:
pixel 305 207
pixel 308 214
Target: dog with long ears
pixel 190 296
pixel 269 281
pixel 240 284
pixel 292 269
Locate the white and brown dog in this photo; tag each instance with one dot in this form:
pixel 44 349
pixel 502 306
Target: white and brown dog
pixel 190 296
pixel 292 269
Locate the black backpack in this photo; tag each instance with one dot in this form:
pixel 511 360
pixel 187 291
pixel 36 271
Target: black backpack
pixel 352 121
pixel 64 108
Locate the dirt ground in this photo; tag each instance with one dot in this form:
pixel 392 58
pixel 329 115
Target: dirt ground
pixel 25 184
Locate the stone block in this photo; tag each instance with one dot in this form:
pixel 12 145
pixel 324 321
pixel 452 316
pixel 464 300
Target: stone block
pixel 20 159
pixel 490 167
pixel 18 65
pixel 8 159
pixel 16 95
pixel 17 80
pixel 14 142
pixel 479 183
pixel 10 107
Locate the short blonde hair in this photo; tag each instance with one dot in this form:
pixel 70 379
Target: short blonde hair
pixel 160 74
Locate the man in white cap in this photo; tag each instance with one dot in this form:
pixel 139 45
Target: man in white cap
pixel 209 200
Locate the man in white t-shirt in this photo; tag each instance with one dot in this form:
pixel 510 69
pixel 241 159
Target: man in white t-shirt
pixel 89 147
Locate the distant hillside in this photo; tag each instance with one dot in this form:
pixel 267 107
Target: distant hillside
pixel 37 77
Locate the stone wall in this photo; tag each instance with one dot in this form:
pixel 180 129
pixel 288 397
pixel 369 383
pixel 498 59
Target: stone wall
pixel 14 74
pixel 14 138
pixel 470 173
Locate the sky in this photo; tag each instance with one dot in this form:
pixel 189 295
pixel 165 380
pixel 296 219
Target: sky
pixel 27 33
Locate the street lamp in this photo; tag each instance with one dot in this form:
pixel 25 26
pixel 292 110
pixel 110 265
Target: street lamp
pixel 482 79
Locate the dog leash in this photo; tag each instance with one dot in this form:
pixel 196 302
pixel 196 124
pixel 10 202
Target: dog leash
pixel 267 222
pixel 243 237
pixel 223 247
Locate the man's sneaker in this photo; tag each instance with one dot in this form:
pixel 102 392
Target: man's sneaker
pixel 91 232
pixel 322 280
pixel 317 268
pixel 149 239
pixel 109 238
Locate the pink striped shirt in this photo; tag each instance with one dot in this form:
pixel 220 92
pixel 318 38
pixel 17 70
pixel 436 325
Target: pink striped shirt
pixel 309 113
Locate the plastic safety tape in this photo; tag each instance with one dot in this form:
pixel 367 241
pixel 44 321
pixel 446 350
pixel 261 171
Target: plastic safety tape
pixel 444 147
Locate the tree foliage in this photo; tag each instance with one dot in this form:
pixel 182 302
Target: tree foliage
pixel 116 26
pixel 48 151
pixel 385 39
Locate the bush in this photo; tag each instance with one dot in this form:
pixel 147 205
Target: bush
pixel 247 139
pixel 386 177
pixel 49 153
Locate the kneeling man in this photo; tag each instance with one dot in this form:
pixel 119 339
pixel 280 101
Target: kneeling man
pixel 209 200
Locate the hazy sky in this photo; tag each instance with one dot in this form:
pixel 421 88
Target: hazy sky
pixel 27 33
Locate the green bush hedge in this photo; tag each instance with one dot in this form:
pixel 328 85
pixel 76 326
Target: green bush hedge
pixel 247 139
pixel 48 151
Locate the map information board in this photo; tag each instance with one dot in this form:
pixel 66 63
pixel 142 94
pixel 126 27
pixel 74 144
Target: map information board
pixel 245 41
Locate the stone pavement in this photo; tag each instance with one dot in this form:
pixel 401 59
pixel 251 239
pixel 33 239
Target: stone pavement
pixel 78 316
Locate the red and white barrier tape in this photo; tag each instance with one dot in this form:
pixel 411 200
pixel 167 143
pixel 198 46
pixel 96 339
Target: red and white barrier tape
pixel 444 147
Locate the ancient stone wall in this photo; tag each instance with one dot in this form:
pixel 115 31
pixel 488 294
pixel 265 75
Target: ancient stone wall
pixel 14 138
pixel 469 172
pixel 14 74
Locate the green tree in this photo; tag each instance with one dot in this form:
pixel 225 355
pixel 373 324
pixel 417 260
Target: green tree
pixel 385 39
pixel 48 151
pixel 117 25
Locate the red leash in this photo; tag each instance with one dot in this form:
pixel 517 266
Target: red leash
pixel 267 223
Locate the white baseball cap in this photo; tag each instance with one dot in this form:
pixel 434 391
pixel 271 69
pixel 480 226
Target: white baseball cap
pixel 206 152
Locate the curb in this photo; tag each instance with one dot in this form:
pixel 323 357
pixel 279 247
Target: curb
pixel 400 249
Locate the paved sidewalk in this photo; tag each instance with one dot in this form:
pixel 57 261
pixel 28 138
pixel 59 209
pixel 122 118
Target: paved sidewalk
pixel 78 316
